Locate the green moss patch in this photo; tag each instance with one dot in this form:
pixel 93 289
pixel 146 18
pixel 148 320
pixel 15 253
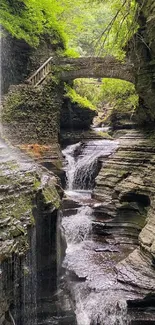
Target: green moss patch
pixel 51 195
pixel 31 115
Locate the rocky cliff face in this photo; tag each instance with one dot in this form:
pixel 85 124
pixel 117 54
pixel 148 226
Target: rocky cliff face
pixel 31 120
pixel 28 195
pixel 142 53
pixel 125 186
pixel 31 115
pixel 74 117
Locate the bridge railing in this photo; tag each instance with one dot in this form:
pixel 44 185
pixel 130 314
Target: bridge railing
pixel 40 74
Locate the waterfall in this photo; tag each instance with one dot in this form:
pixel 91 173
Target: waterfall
pixel 91 278
pixel 29 284
pixel 25 286
pixel 82 162
pixel 70 154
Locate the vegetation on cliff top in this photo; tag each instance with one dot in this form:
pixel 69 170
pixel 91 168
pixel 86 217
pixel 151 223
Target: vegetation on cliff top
pixel 80 24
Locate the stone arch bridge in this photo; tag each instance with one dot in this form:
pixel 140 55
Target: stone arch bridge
pixel 84 67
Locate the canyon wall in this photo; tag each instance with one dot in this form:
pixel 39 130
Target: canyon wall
pixel 142 54
pixel 29 196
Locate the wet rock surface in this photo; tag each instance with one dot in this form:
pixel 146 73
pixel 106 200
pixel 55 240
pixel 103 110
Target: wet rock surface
pixel 125 186
pixel 114 257
pixel 26 192
pixel 48 156
pixel 90 269
pixel 67 137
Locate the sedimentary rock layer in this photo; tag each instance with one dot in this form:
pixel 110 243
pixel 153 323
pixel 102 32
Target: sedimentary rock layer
pixel 26 192
pixel 126 186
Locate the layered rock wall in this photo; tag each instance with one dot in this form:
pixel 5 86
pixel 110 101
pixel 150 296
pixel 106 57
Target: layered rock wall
pixel 125 186
pixel 27 194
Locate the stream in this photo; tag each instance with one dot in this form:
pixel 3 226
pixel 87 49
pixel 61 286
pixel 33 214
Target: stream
pixel 90 259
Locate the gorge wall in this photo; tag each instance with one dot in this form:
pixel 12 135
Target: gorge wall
pixel 28 196
pixel 125 186
pixel 142 53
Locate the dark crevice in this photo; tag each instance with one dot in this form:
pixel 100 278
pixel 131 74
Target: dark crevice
pixel 142 199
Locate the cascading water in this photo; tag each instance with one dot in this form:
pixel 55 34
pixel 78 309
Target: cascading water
pixel 82 162
pixel 89 262
pixel 70 153
pixel 77 227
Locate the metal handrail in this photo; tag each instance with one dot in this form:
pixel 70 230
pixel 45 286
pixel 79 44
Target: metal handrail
pixel 40 74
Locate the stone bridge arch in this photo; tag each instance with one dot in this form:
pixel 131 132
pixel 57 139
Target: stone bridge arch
pixel 84 67
pixel 95 67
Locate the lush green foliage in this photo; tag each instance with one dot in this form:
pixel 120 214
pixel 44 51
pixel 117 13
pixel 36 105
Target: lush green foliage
pixel 85 27
pixel 88 27
pixel 82 101
pixel 120 95
pixel 106 29
pixel 71 52
pixel 89 88
pixel 110 91
pixel 114 90
pixel 119 28
pixel 28 19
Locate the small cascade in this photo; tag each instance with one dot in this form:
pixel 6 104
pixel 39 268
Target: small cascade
pixel 19 282
pixel 82 162
pixel 70 154
pixel 78 227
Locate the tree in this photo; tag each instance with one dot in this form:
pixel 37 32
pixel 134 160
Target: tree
pixel 89 27
pixel 29 19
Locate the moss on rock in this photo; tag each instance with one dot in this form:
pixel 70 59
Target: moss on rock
pixel 31 115
pixel 19 191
